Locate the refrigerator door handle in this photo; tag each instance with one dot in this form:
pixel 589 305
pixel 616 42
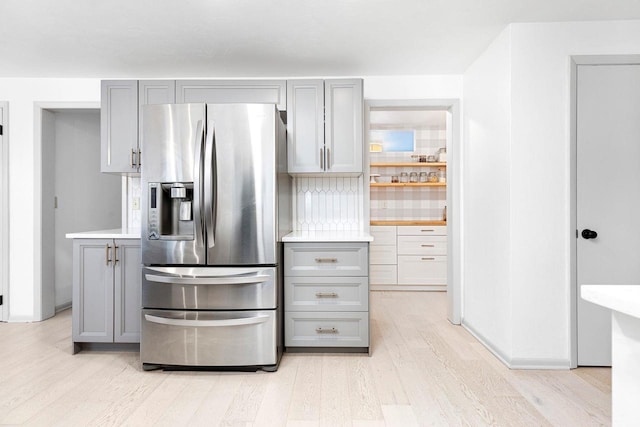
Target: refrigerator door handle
pixel 209 196
pixel 209 323
pixel 197 178
pixel 207 280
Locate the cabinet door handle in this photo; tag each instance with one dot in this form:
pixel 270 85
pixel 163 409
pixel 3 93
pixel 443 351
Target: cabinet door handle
pixel 133 158
pixel 322 158
pixel 139 157
pixel 106 254
pixel 428 246
pixel 326 331
pixel 115 254
pixel 326 295
pixel 427 231
pixel 331 260
pixel 328 161
pixel 428 259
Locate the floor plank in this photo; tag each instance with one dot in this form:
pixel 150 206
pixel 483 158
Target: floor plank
pixel 422 371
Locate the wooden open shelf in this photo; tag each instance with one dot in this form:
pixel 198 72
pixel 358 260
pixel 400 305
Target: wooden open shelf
pixel 408 184
pixel 429 222
pixel 410 165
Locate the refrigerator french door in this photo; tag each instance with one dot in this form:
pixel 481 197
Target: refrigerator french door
pixel 214 207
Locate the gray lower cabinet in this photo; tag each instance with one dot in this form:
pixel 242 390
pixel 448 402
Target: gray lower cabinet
pixel 106 291
pixel 326 293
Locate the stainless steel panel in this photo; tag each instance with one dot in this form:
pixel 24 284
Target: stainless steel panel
pixel 209 338
pixel 202 288
pixel 242 146
pixel 172 140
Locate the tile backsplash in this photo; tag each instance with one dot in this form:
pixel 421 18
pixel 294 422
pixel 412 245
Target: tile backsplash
pixel 328 203
pixel 320 203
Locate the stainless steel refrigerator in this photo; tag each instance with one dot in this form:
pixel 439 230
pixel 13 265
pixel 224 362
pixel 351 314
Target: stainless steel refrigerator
pixel 215 203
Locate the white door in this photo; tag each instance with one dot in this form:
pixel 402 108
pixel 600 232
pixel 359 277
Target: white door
pixel 608 195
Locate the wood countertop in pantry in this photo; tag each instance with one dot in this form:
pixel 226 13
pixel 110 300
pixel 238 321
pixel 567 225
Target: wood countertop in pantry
pixel 431 222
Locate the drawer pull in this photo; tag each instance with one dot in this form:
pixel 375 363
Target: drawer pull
pixel 428 259
pixel 326 295
pixel 428 246
pixel 427 231
pixel 331 260
pixel 326 331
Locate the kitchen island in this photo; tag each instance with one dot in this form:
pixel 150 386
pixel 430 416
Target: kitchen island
pixel 624 301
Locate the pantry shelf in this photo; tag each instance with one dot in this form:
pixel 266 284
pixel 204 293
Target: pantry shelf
pixel 410 165
pixel 408 184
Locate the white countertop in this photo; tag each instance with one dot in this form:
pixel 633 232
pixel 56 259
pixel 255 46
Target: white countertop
pixel 622 298
pixel 116 233
pixel 328 236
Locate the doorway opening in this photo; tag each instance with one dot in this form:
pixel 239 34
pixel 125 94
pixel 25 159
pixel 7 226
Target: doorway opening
pixel 414 187
pixel 4 211
pixel 74 196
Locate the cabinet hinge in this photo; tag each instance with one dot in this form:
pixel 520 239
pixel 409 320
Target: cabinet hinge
pixel 1 300
pixel 1 132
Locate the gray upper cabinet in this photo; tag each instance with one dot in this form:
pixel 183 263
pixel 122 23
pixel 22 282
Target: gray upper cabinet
pixel 154 92
pixel 325 126
pixel 121 101
pixel 232 91
pixel 119 126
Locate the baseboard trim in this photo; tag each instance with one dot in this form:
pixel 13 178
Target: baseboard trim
pixel 63 307
pixel 437 288
pixel 517 362
pixel 21 319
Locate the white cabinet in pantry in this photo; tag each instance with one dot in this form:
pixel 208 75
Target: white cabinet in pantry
pixel 106 291
pixel 325 126
pixel 409 257
pixel 326 295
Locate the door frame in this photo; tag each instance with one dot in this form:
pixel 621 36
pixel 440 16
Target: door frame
pixel 574 294
pixel 4 214
pixel 44 309
pixel 455 278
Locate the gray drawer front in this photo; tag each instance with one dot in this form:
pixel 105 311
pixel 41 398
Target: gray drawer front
pixel 326 329
pixel 208 338
pixel 326 259
pixel 326 294
pixel 259 290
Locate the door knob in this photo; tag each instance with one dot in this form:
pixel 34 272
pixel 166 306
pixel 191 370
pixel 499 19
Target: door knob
pixel 589 234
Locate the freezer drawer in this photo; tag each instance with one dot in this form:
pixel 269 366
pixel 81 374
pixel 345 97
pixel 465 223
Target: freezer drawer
pixel 326 293
pixel 326 329
pixel 209 288
pixel 209 338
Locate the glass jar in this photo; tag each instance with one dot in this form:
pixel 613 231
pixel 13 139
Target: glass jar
pixel 404 177
pixel 433 177
pixel 442 176
pixel 442 155
pixel 413 177
pixel 423 177
pixel 394 178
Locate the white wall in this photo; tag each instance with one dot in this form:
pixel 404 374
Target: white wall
pixel 23 93
pixel 539 198
pixel 486 164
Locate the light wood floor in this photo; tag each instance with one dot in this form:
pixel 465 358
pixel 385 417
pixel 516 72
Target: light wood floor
pixel 423 371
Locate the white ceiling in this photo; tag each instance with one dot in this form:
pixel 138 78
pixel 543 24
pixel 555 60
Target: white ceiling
pixel 266 38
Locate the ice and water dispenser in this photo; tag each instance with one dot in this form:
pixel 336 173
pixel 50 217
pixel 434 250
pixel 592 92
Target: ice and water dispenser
pixel 171 211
